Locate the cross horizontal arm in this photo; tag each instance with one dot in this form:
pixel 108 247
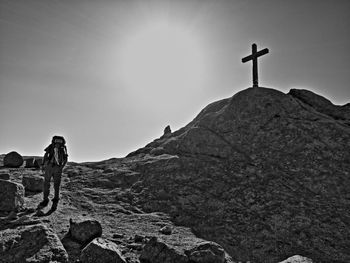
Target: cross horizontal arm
pixel 257 54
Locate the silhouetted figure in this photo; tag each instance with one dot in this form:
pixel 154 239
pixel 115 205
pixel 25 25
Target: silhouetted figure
pixel 254 56
pixel 55 159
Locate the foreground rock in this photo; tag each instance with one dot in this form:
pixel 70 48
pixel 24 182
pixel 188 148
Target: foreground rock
pixel 101 251
pixel 34 244
pixel 157 251
pixel 13 160
pixel 206 252
pixel 297 259
pixel 33 182
pixel 11 196
pixel 84 230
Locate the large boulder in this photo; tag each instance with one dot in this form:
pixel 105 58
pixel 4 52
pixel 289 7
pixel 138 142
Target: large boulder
pixel 297 259
pixel 35 244
pixel 33 182
pixel 84 230
pixel 101 251
pixel 11 196
pixel 13 160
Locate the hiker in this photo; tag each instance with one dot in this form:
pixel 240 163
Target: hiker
pixel 55 159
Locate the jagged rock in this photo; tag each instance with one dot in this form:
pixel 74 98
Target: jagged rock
pixel 322 105
pixel 206 252
pixel 158 252
pixel 4 176
pixel 33 182
pixel 11 196
pixel 101 251
pixel 261 167
pixel 34 244
pixel 166 230
pixel 167 130
pixel 32 163
pixel 13 160
pixel 84 230
pixel 297 259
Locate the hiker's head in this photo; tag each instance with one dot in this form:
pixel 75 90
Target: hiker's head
pixel 58 140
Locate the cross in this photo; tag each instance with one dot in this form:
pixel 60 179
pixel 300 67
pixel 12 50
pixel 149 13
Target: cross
pixel 254 56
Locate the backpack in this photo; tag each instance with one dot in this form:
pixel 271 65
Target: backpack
pixel 57 151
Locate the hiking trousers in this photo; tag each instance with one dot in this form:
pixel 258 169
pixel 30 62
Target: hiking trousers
pixel 54 172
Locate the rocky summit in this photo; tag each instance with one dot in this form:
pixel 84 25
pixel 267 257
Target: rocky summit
pixel 260 177
pixel 264 174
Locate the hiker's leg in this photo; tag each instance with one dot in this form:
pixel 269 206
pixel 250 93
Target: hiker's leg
pixel 47 179
pixel 57 182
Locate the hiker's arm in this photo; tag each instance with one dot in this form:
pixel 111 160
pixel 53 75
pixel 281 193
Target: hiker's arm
pixel 65 159
pixel 45 159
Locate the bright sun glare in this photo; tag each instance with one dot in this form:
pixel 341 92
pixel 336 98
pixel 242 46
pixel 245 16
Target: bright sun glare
pixel 160 58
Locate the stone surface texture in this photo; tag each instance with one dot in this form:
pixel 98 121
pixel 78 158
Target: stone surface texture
pixel 297 259
pixel 159 251
pixel 35 244
pixel 101 251
pixel 85 230
pixel 33 182
pixel 11 196
pixel 4 176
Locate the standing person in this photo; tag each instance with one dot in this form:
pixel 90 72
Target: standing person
pixel 55 159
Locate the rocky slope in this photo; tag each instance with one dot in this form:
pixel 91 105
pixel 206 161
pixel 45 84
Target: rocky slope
pixel 263 173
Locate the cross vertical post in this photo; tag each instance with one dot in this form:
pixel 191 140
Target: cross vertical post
pixel 254 57
pixel 255 67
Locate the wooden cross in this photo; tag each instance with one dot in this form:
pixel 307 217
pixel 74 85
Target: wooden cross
pixel 254 56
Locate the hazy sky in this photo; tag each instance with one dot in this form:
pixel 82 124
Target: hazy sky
pixel 110 75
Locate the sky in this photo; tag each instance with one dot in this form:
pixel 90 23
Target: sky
pixel 109 76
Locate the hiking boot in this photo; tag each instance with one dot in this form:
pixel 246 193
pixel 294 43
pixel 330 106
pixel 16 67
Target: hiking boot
pixel 54 204
pixel 44 203
pixel 55 200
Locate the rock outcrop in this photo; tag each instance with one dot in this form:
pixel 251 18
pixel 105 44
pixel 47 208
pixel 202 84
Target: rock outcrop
pixel 264 174
pixel 35 244
pixel 11 196
pixel 33 182
pixel 322 105
pixel 13 160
